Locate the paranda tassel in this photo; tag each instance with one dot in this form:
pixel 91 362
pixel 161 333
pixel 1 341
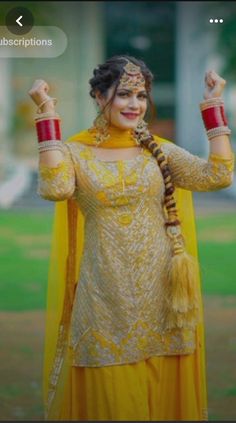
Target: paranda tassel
pixel 184 297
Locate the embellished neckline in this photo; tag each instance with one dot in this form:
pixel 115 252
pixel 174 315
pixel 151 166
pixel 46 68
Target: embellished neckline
pixel 88 153
pixel 119 138
pixel 94 156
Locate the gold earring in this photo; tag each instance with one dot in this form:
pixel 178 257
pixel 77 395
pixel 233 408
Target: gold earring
pixel 100 125
pixel 141 131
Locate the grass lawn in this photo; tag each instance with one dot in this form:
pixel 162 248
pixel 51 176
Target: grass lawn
pixel 217 253
pixel 25 245
pixel 24 257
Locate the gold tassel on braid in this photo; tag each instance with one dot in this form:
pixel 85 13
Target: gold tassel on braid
pixel 183 304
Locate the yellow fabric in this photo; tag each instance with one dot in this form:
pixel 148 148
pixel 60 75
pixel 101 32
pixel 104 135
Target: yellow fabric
pixel 118 138
pixel 151 382
pixel 159 388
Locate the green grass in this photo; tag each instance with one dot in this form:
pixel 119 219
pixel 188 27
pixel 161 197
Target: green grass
pixel 217 253
pixel 25 245
pixel 24 257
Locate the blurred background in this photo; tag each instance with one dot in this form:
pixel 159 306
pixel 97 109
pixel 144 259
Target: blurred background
pixel 179 44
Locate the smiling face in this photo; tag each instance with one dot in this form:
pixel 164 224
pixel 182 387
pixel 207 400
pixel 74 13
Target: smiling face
pixel 126 109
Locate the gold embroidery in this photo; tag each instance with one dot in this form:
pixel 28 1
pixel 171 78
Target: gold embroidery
pixel 101 196
pixel 123 285
pixel 57 183
pixel 49 173
pixel 86 154
pixel 140 343
pixel 126 219
pixel 220 164
pixel 196 174
pixel 120 299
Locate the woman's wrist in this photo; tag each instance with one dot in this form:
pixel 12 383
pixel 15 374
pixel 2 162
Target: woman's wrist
pixel 207 97
pixel 47 105
pixel 48 127
pixel 206 102
pixel 214 117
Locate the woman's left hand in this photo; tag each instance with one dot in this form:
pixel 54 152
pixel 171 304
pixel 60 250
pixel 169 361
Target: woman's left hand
pixel 214 85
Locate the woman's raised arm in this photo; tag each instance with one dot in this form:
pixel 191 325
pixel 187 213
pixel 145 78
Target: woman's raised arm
pixel 46 109
pixel 214 117
pixel 56 180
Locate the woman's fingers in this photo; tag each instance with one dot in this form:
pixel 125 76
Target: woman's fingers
pixel 212 79
pixel 39 91
pixel 214 84
pixel 39 85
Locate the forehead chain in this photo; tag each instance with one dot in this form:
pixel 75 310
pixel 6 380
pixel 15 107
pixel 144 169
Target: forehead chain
pixel 132 77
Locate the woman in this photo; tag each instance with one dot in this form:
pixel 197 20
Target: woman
pixel 124 336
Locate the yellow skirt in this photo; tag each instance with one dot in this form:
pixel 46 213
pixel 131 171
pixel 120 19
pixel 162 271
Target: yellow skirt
pixel 159 388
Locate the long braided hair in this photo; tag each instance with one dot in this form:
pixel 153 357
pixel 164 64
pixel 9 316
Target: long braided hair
pixel 109 74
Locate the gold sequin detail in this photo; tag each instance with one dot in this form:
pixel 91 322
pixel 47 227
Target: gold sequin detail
pixel 126 219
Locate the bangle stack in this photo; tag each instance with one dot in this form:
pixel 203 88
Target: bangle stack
pixel 48 130
pixel 214 118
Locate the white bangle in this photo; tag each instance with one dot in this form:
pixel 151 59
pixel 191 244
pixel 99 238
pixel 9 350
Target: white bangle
pixel 220 130
pixel 210 102
pixel 46 115
pixel 50 145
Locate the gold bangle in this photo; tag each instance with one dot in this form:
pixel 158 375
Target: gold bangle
pixel 46 101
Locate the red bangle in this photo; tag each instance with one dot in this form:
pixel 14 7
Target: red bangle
pixel 213 117
pixel 48 129
pixel 223 115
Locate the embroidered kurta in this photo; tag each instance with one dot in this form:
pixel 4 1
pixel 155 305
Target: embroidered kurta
pixel 119 308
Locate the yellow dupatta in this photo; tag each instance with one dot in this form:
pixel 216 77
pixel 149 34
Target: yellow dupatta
pixel 66 252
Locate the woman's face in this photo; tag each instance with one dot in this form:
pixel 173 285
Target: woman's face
pixel 127 108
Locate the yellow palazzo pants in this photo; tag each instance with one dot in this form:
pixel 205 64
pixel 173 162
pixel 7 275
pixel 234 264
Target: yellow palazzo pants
pixel 159 388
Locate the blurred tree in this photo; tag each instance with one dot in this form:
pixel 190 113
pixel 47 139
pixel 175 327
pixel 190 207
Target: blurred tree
pixel 22 117
pixel 145 30
pixel 227 37
pixel 224 34
pixel 42 14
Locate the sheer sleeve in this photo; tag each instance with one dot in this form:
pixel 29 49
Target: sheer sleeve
pixel 193 173
pixel 57 183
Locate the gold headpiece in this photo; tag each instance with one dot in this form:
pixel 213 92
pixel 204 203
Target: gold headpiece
pixel 132 77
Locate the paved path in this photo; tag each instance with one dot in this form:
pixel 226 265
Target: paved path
pixel 211 203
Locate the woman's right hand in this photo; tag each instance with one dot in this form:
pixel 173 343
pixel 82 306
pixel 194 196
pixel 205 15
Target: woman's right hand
pixel 39 93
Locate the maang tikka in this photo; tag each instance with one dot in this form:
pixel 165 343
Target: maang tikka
pixel 132 77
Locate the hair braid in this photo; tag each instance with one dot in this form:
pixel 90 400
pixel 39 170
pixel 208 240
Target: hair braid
pixel 169 200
